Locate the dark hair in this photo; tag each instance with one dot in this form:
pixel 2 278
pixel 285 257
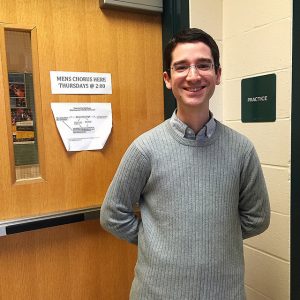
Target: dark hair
pixel 191 35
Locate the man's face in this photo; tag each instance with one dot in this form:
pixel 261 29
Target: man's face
pixel 194 87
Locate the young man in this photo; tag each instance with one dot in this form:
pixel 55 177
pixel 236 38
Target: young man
pixel 199 185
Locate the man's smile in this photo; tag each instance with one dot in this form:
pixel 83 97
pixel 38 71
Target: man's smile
pixel 194 89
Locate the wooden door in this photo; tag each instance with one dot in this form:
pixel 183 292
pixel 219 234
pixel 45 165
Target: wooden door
pixel 74 261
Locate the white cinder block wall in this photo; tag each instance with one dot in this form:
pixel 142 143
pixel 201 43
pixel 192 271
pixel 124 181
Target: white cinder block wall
pixel 208 15
pixel 255 39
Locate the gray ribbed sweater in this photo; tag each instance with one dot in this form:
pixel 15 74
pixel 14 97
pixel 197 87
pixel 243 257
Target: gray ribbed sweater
pixel 197 202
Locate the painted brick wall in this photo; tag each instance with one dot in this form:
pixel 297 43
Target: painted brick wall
pixel 207 15
pixel 255 39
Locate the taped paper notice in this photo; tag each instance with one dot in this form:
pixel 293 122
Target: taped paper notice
pixel 77 83
pixel 83 126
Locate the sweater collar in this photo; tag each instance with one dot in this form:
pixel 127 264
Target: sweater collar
pixel 186 132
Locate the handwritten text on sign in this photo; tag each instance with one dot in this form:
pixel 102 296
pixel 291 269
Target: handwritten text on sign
pixel 80 83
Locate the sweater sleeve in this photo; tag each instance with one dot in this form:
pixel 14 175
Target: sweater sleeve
pixel 117 211
pixel 254 207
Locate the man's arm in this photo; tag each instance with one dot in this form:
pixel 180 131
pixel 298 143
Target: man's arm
pixel 117 211
pixel 254 207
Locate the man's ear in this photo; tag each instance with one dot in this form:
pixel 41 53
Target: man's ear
pixel 167 80
pixel 219 72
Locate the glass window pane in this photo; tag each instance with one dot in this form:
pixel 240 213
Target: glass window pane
pixel 21 93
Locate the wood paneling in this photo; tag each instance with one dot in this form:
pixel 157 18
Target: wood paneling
pixel 76 261
pixel 78 36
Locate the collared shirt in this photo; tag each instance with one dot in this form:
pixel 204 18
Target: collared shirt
pixel 184 131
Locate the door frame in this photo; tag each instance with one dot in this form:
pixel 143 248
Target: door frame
pixel 175 18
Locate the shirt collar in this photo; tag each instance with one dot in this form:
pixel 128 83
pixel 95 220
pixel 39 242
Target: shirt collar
pixel 184 131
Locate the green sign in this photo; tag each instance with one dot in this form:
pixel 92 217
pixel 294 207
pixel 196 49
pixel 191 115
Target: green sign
pixel 259 99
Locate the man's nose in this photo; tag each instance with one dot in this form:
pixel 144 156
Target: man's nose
pixel 193 73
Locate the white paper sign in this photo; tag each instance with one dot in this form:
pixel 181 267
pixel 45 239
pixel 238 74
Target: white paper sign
pixel 80 83
pixel 83 126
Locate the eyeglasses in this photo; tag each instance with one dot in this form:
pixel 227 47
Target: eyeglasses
pixel 184 69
